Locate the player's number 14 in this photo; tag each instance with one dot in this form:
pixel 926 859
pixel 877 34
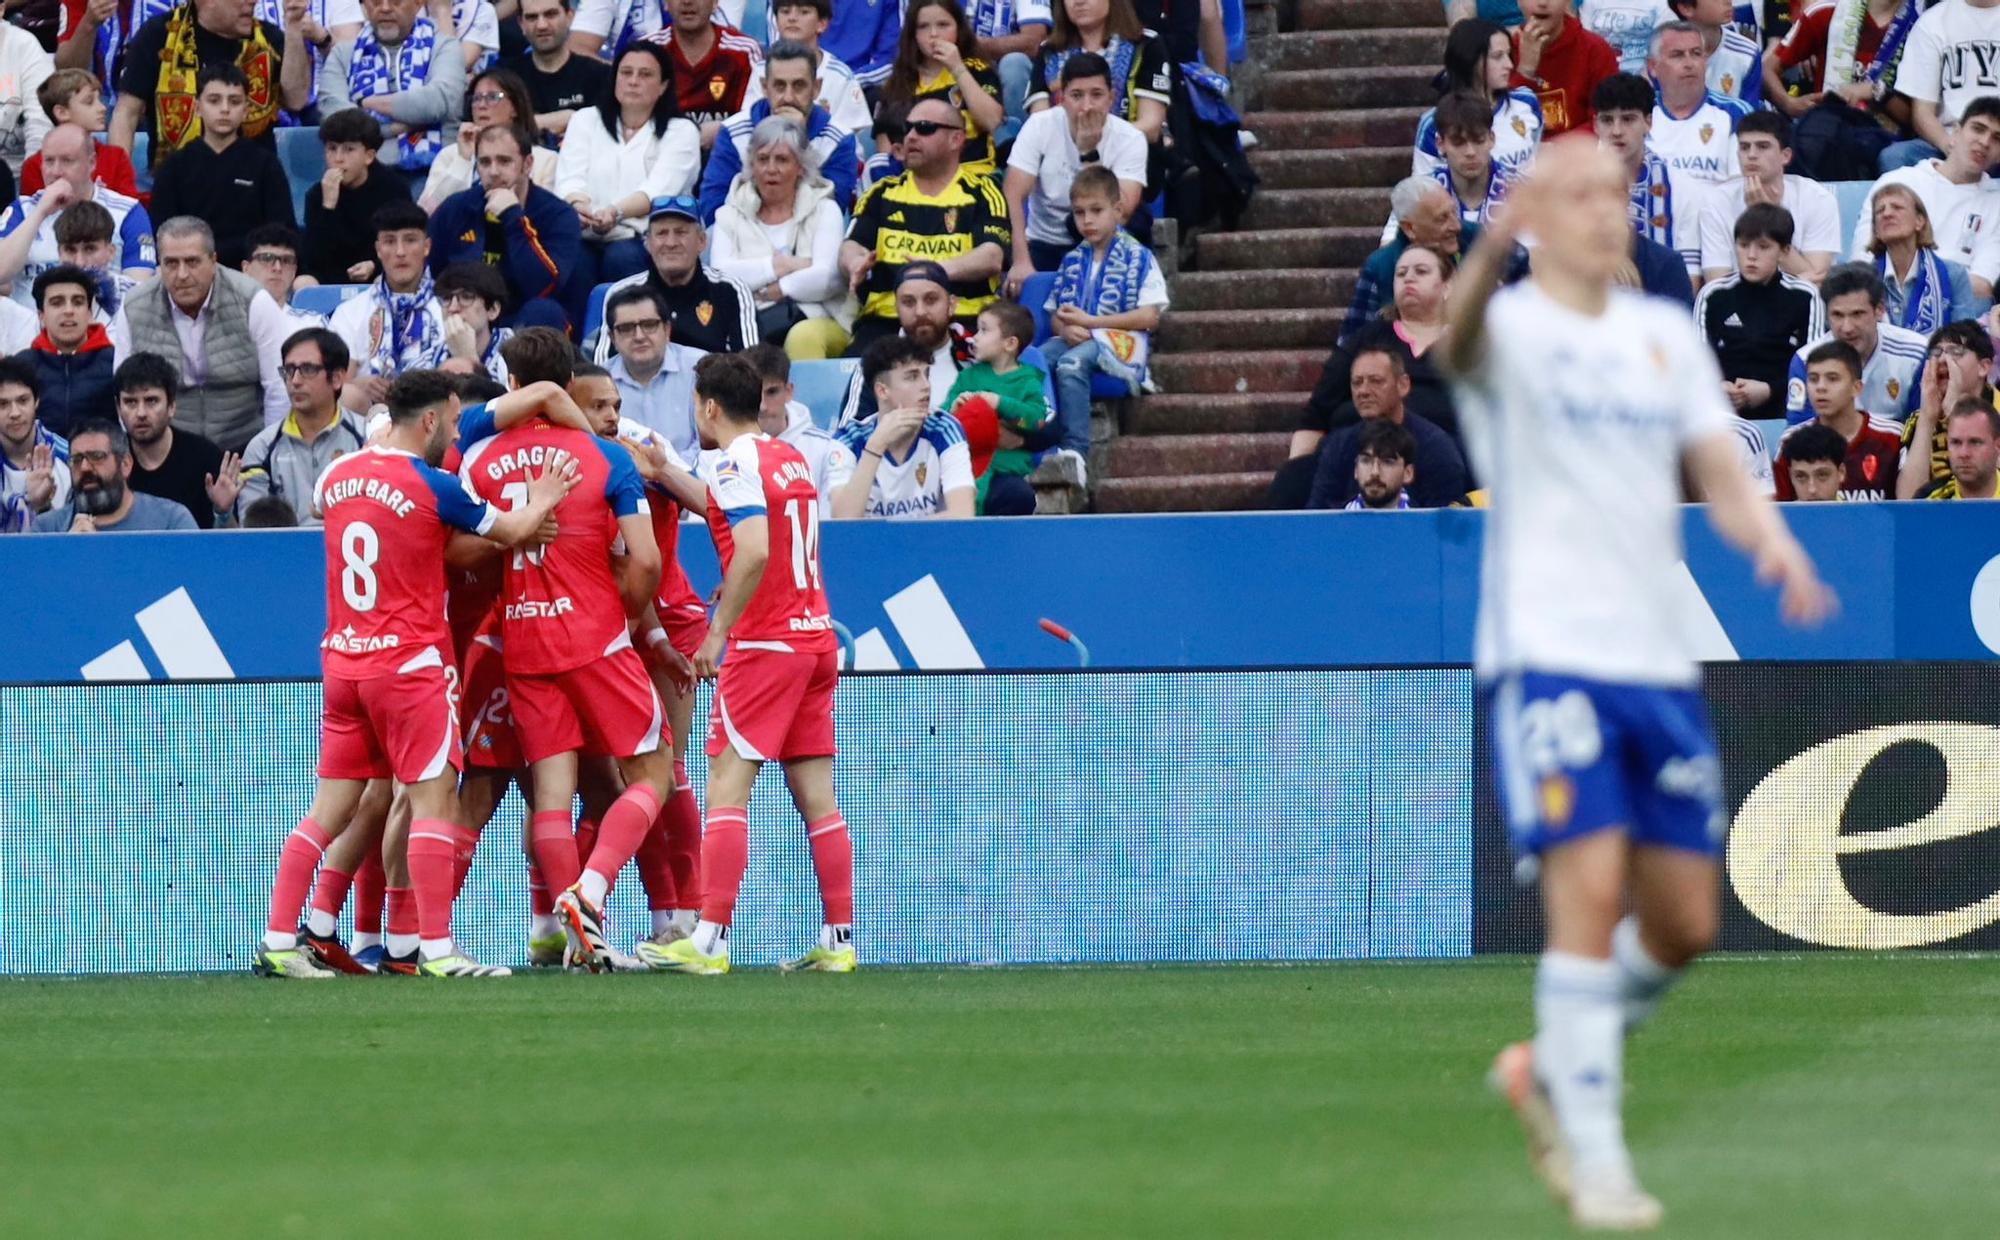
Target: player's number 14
pixel 805 543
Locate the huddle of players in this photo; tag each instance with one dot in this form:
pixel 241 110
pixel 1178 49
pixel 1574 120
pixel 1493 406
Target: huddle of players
pixel 542 581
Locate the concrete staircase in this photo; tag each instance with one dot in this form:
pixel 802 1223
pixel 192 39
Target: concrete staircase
pixel 1334 101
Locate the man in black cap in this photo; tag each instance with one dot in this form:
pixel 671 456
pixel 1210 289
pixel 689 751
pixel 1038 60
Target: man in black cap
pixel 707 310
pixel 926 314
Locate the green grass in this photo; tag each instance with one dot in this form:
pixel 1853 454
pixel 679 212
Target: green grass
pixel 1819 1097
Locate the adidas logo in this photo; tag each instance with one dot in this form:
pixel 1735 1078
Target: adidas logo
pixel 1732 321
pixel 179 640
pixel 930 630
pixel 895 217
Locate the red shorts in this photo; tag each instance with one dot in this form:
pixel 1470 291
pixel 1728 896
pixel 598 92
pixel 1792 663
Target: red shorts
pixel 404 725
pixel 774 705
pixel 686 626
pixel 607 706
pixel 490 740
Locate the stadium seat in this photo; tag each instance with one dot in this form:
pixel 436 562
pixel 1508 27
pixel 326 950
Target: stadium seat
pixel 1850 195
pixel 1772 429
pixel 324 298
pixel 142 168
pixel 1035 296
pixel 823 387
pixel 593 314
pixel 304 160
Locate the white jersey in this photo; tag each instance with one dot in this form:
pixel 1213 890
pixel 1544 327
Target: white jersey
pixel 1701 145
pixel 1891 376
pixel 1517 131
pixel 1577 425
pixel 831 462
pixel 1965 219
pixel 1736 67
pixel 915 486
pixel 1815 220
pixel 1627 25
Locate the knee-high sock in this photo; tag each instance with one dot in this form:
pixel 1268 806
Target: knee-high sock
pixel 402 921
pixel 683 819
pixel 656 874
pixel 1642 980
pixel 1580 1056
pixel 461 862
pixel 725 853
pixel 540 902
pixel 296 863
pixel 555 850
pixel 833 866
pixel 434 849
pixel 618 838
pixel 329 893
pixel 586 839
pixel 370 887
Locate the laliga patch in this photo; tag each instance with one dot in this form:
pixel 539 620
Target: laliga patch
pixel 1795 393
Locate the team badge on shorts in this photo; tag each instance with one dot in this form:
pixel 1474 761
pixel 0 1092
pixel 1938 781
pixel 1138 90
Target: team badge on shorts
pixel 1557 795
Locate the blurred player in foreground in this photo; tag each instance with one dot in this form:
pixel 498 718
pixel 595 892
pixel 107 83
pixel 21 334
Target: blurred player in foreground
pixel 774 692
pixel 1582 403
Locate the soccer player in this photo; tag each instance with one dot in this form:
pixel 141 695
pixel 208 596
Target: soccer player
pixel 574 677
pixel 389 709
pixel 1579 397
pixel 774 691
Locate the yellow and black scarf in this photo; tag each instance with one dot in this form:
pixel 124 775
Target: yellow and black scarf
pixel 174 120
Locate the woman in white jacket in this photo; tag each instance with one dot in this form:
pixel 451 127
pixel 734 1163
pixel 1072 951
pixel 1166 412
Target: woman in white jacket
pixel 618 156
pixel 779 232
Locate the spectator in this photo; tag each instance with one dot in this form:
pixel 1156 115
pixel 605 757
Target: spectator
pixel 1973 440
pixel 892 125
pixel 1503 13
pixel 498 98
pixel 804 22
pixel 1479 61
pixel 1142 75
pixel 945 209
pixel 1735 61
pixel 269 513
pixel 404 67
pixel 785 419
pixel 1627 25
pixel 1425 215
pixel 84 233
pixel 1926 290
pixel 1948 63
pixel 789 88
pixel 218 327
pixel 76 97
pixel 1478 182
pixel 654 373
pixel 1891 358
pixel 323 24
pixel 287 458
pixel 72 357
pixel 506 219
pixel 478 27
pixel 1105 306
pixel 1011 393
pixel 1763 149
pixel 168 463
pixel 34 460
pixel 24 67
pixel 1694 129
pixel 473 296
pixel 714 64
pixel 1191 31
pixel 705 309
pixel 618 156
pixel 1833 381
pixel 1848 113
pixel 1956 366
pixel 1757 316
pixel 924 310
pixel 28 232
pixel 1815 462
pixel 340 210
pixel 908 460
pixel 1961 200
pixel 271 258
pixel 1006 34
pixel 560 83
pixel 1381 387
pixel 1051 149
pixel 779 234
pixel 1560 60
pixel 156 74
pixel 865 38
pixel 1666 206
pixel 103 501
pixel 397 325
pixel 935 59
pixel 232 184
pixel 1384 467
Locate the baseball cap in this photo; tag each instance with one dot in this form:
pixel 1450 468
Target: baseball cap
pixel 924 269
pixel 681 205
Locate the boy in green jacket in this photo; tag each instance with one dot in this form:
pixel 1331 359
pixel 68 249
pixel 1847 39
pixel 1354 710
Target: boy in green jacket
pixel 999 386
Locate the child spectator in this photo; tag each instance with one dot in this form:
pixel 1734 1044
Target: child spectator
pixel 473 296
pixel 1764 151
pixel 1478 182
pixel 1560 61
pixel 231 184
pixel 1833 383
pixel 1757 316
pixel 76 97
pixel 1126 294
pixel 909 461
pixel 999 387
pixel 86 237
pixel 1815 463
pixel 1666 206
pixel 340 210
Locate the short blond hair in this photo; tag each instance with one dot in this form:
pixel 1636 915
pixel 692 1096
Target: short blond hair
pixel 1926 237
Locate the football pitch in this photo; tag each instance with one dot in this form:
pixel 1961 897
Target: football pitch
pixel 1774 1097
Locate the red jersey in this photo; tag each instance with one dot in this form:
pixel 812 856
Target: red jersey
pixel 1572 66
pixel 1873 456
pixel 388 517
pixel 713 90
pixel 560 603
pixel 676 591
pixel 758 476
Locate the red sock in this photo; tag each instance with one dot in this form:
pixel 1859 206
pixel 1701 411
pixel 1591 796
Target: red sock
pixel 683 817
pixel 833 865
pixel 656 873
pixel 296 863
pixel 434 847
pixel 540 902
pixel 330 893
pixel 468 844
pixel 586 838
pixel 402 911
pixel 555 850
pixel 369 885
pixel 623 830
pixel 725 852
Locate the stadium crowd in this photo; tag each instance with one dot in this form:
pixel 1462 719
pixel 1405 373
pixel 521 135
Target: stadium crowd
pixel 1856 344
pixel 230 225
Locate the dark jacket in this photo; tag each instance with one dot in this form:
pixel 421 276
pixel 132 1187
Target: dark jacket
pixel 75 386
pixel 1441 479
pixel 344 236
pixel 1330 410
pixel 234 192
pixel 1755 329
pixel 537 245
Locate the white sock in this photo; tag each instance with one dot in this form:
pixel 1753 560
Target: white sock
pixel 594 888
pixel 1642 980
pixel 280 940
pixel 401 945
pixel 1579 1056
pixel 663 920
pixel 362 942
pixel 684 919
pixel 438 949
pixel 544 926
pixel 322 923
pixel 835 937
pixel 710 937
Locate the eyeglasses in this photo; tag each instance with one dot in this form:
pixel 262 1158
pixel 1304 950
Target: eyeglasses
pixel 275 258
pixel 648 326
pixel 93 458
pixel 301 370
pixel 1953 351
pixel 490 96
pixel 927 128
pixel 460 297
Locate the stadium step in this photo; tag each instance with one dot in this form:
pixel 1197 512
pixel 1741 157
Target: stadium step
pixel 1368 86
pixel 1185 493
pixel 1262 290
pixel 1368 14
pixel 1387 45
pixel 1293 247
pixel 1330 169
pixel 1317 208
pixel 1160 455
pixel 1195 330
pixel 1317 131
pixel 1239 370
pixel 1247 413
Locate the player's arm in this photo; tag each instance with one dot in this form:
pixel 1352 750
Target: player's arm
pixel 658 651
pixel 1479 277
pixel 751 539
pixel 662 468
pixel 639 572
pixel 545 490
pixel 549 399
pixel 1750 523
pixel 469 551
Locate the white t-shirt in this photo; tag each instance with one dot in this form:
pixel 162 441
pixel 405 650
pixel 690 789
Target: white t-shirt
pixel 1965 219
pixel 1952 57
pixel 1577 424
pixel 828 458
pixel 1044 150
pixel 1627 25
pixel 1700 146
pixel 915 486
pixel 1815 220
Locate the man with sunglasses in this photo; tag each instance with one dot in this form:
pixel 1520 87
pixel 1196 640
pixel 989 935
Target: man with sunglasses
pixel 655 375
pixel 286 459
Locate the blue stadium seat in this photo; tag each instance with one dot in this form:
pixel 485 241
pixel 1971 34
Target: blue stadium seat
pixel 304 160
pixel 324 298
pixel 142 169
pixel 593 313
pixel 1035 296
pixel 1772 429
pixel 823 387
pixel 1850 195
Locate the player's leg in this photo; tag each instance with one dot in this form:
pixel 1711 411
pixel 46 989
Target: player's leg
pixel 725 854
pixel 281 956
pixel 437 841
pixel 346 856
pixel 811 783
pixel 399 946
pixel 1676 911
pixel 670 858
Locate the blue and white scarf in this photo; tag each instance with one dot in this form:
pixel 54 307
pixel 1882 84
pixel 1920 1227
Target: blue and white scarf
pixel 1500 179
pixel 1121 55
pixel 1357 504
pixel 375 71
pixel 1927 297
pixel 407 334
pixel 1653 202
pixel 625 27
pixel 1110 287
pixel 496 366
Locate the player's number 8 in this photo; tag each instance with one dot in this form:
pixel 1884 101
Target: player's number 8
pixel 360 547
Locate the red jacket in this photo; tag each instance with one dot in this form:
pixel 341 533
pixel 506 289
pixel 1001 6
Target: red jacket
pixel 1571 68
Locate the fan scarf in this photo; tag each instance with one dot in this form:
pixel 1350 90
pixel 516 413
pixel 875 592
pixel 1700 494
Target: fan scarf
pixel 374 70
pixel 1927 297
pixel 1113 287
pixel 407 335
pixel 180 64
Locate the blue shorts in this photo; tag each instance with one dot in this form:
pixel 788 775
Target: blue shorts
pixel 1573 756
